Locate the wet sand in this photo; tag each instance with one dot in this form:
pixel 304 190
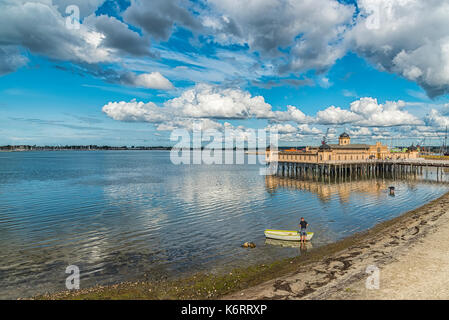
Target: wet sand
pixel 410 252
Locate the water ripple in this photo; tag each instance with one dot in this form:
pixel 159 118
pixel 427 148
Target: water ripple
pixel 120 215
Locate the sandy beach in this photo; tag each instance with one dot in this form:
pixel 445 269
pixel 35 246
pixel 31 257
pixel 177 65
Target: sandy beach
pixel 410 253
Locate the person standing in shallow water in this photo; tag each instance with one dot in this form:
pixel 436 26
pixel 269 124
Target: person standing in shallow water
pixel 302 231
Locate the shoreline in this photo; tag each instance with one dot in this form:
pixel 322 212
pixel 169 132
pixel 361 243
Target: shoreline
pixel 409 252
pixel 334 271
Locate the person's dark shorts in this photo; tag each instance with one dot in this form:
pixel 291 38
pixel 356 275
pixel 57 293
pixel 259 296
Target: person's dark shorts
pixel 303 232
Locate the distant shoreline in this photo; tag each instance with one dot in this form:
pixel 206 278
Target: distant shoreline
pixel 76 148
pixel 109 148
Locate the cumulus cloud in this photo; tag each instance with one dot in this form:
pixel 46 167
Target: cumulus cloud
pixel 11 59
pixel 86 7
pixel 360 132
pixel 436 119
pixel 117 35
pixel 445 109
pixel 311 28
pixel 202 102
pixel 206 101
pixel 135 111
pixel 153 80
pixel 216 103
pixel 40 28
pixel 157 17
pixel 368 112
pixel 407 37
pixel 382 115
pixel 292 114
pixel 305 129
pixel 336 115
pixel 282 128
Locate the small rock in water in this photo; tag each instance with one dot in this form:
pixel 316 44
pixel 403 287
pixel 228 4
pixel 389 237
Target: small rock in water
pixel 249 245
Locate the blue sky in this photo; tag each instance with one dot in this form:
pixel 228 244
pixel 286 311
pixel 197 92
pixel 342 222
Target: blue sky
pixel 134 71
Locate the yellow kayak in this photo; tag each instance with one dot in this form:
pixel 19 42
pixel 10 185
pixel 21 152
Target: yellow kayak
pixel 286 235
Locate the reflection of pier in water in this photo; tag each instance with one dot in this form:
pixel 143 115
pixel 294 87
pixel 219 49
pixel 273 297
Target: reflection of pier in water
pixel 344 189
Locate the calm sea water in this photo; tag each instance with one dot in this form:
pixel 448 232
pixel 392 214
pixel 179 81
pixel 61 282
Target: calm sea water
pixel 126 215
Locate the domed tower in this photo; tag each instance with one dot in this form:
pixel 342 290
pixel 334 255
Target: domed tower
pixel 344 139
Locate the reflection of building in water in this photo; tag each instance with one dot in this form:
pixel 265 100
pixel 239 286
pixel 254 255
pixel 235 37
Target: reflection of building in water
pixel 343 151
pixel 325 191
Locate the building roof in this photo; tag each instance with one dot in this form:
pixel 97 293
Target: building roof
pixel 344 135
pixel 325 146
pixel 350 146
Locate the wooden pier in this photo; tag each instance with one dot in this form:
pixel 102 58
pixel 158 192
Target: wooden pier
pixel 329 170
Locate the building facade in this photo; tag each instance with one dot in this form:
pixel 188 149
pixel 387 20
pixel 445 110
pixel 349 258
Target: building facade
pixel 344 151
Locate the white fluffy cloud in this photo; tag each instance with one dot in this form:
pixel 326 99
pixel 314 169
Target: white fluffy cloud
pixel 214 103
pixel 336 115
pixel 407 37
pixel 40 28
pixel 203 102
pixel 206 101
pixel 292 114
pixel 436 119
pixel 311 28
pixel 368 112
pixel 201 105
pixel 360 132
pixel 305 129
pixel 282 128
pixel 153 80
pixel 135 111
pixel 382 115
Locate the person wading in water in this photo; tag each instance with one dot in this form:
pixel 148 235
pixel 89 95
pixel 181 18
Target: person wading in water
pixel 302 231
